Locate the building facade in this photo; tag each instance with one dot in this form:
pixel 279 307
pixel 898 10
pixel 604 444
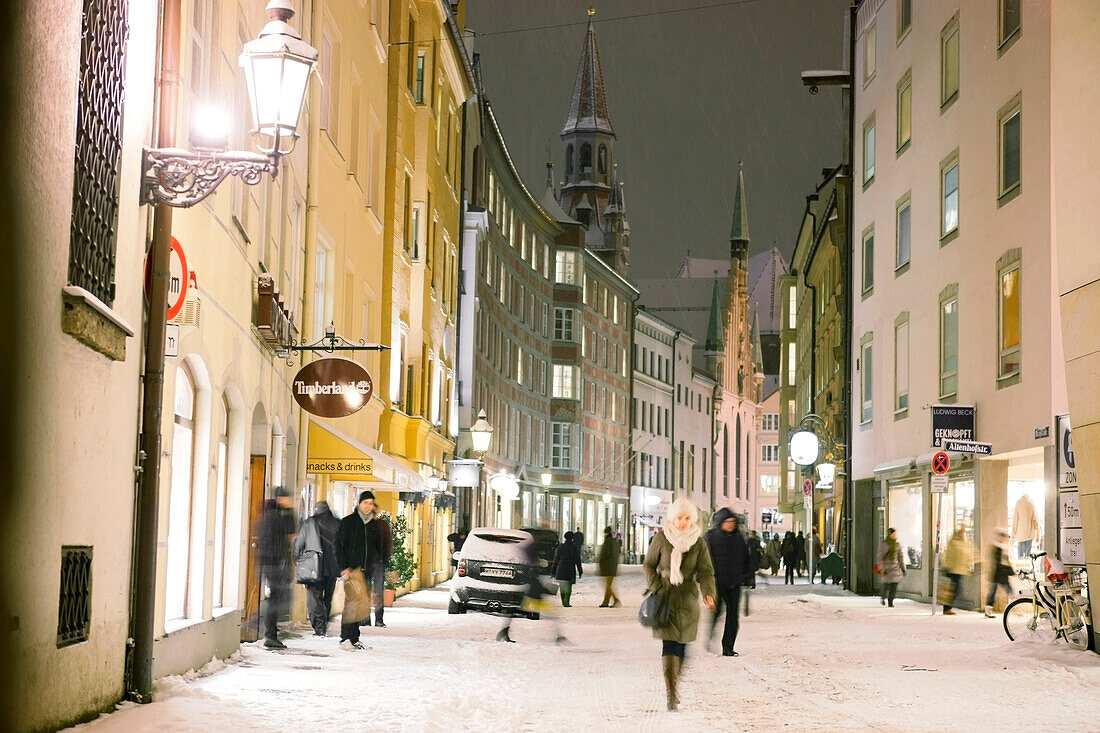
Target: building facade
pixel 966 270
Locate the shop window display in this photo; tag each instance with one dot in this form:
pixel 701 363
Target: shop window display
pixel 906 512
pixel 1025 517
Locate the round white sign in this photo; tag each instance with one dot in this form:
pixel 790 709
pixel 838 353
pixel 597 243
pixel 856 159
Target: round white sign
pixel 804 447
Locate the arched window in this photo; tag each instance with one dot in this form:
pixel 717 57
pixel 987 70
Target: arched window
pixel 569 160
pixel 737 462
pixel 601 160
pixel 221 489
pixel 725 460
pixel 179 498
pixel 586 159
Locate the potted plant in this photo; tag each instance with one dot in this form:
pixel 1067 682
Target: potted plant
pixel 402 565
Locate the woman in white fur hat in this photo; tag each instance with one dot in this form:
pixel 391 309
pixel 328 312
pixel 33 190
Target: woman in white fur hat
pixel 677 565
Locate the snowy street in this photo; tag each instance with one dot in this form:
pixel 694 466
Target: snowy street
pixel 813 658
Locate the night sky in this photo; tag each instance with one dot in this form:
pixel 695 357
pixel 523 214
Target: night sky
pixel 693 86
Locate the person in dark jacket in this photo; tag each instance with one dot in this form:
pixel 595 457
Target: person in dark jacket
pixel 318 535
pixel 364 541
pixel 608 561
pixel 276 530
pixel 789 552
pixel 800 548
pixel 567 567
pixel 1000 570
pixel 729 554
pixel 457 539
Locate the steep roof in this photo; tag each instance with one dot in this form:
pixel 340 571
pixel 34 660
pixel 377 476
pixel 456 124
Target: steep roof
pixel 765 269
pixel 588 108
pixel 739 229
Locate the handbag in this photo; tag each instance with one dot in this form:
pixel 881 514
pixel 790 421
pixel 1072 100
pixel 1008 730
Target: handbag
pixel 308 568
pixel 655 611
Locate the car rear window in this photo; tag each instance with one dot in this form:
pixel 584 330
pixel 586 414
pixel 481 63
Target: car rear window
pixel 506 539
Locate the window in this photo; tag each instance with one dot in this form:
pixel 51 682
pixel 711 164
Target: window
pixel 769 453
pixel 869 54
pixel 949 62
pixel 330 90
pixel 867 383
pixel 221 475
pixel 355 146
pixel 869 151
pixel 949 345
pixel 906 512
pixel 410 68
pixel 565 268
pixel 321 295
pixel 178 570
pixel 905 111
pixel 901 364
pixel 904 233
pixel 1008 321
pixel 561 445
pixel 1009 22
pixel 418 87
pixel 868 260
pixel 949 183
pixel 790 364
pixel 1008 133
pixel 792 322
pixel 565 378
pixel 409 234
pixel 414 230
pixel 905 17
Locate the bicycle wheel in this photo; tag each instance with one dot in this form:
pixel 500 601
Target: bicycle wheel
pixel 1026 620
pixel 1075 632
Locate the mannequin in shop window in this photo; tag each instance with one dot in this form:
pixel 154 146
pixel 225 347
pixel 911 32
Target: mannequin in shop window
pixel 1025 526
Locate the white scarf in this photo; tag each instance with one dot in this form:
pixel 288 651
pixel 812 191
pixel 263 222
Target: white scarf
pixel 681 540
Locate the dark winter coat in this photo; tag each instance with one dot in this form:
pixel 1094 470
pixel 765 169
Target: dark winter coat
pixel 608 559
pixel 567 562
pixel 359 544
pixel 698 573
pixel 318 533
pixel 276 529
pixel 1001 567
pixel 788 549
pixel 729 554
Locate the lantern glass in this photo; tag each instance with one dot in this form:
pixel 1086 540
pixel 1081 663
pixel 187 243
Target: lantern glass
pixel 277 68
pixel 805 447
pixel 481 433
pixel 547 477
pixel 826 472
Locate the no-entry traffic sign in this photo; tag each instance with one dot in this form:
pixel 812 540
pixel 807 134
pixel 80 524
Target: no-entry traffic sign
pixel 940 463
pixel 807 487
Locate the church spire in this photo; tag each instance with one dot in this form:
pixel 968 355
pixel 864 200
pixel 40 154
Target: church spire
pixel 714 342
pixel 588 108
pixel 739 230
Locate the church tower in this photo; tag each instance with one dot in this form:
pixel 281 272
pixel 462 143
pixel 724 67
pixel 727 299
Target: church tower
pixel 592 192
pixel 739 346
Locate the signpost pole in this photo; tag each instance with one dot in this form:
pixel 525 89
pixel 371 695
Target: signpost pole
pixel 936 554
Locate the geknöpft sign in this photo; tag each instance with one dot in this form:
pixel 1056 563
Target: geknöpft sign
pixel 332 387
pixel 952 422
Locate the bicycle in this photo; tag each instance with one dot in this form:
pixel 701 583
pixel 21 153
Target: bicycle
pixel 1052 611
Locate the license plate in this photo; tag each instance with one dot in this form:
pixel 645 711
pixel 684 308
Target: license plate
pixel 496 573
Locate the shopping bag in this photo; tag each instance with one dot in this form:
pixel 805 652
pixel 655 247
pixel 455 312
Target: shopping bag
pixel 356 598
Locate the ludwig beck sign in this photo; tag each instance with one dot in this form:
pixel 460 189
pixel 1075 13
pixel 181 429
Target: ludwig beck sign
pixel 332 387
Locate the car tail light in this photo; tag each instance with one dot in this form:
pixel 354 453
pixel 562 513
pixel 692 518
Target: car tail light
pixel 462 567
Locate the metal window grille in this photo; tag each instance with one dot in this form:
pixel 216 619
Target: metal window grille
pixel 74 612
pixel 104 31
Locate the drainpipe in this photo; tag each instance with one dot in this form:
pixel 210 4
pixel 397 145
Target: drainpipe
pixel 849 422
pixel 138 676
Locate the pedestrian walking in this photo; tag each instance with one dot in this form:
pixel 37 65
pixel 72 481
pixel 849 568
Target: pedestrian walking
pixel 608 567
pixel 315 559
pixel 815 554
pixel 534 597
pixel 457 539
pixel 1000 570
pixel 276 531
pixel 567 567
pixel 800 549
pixel 364 543
pixel 578 540
pixel 678 565
pixel 790 557
pixel 891 566
pixel 958 562
pixel 773 553
pixel 731 557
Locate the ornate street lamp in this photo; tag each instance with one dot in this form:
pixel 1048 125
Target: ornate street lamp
pixel 481 433
pixel 547 477
pixel 277 67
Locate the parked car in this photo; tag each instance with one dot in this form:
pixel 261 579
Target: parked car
pixel 546 547
pixel 493 573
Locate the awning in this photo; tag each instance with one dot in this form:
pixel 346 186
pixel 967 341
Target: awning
pixel 331 452
pixel 895 468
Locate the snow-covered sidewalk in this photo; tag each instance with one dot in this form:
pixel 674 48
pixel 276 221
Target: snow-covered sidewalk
pixel 813 658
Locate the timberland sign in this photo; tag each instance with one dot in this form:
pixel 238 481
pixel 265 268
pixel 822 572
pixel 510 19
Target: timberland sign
pixel 332 387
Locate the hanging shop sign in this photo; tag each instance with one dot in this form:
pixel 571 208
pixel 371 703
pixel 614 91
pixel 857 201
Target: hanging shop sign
pixel 952 422
pixel 339 465
pixel 332 387
pixel 1067 466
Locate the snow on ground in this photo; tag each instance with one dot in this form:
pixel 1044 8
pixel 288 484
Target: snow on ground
pixel 813 658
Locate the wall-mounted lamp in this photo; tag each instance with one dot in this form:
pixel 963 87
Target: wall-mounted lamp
pixel 481 433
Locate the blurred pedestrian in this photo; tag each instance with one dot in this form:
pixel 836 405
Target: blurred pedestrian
pixel 1000 570
pixel 958 562
pixel 815 554
pixel 756 563
pixel 578 540
pixel 891 566
pixel 534 603
pixel 773 554
pixel 731 557
pixel 677 565
pixel 456 539
pixel 608 567
pixel 800 550
pixel 315 547
pixel 364 542
pixel 790 557
pixel 276 531
pixel 567 567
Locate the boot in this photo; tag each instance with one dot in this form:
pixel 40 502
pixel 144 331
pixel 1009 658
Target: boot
pixel 502 635
pixel 989 611
pixel 672 678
